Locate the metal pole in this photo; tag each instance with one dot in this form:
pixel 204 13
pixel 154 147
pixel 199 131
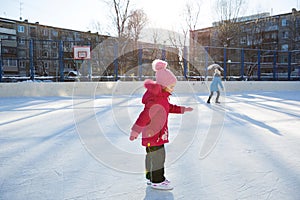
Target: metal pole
pixel 81 61
pixel 185 61
pixel 61 61
pixel 90 70
pixel 224 63
pixel 31 59
pixel 89 66
pixel 0 64
pixel 116 61
pixel 289 65
pixel 206 62
pixel 163 53
pixel 274 66
pixel 258 64
pixel 242 64
pixel 140 56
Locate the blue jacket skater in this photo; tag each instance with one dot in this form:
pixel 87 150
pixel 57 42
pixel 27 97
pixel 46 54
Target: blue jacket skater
pixel 216 82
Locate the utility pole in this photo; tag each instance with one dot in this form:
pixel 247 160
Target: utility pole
pixel 21 9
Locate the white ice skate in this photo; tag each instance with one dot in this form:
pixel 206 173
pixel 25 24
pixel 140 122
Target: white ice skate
pixel 165 185
pixel 149 182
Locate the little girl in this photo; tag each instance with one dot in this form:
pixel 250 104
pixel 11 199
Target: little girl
pixel 153 123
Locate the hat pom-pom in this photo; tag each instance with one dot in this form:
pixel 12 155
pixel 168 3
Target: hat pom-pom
pixel 159 65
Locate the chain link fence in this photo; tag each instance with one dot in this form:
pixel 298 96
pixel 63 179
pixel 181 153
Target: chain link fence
pixel 112 60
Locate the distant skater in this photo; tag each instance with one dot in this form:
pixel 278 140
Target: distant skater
pixel 214 86
pixel 153 123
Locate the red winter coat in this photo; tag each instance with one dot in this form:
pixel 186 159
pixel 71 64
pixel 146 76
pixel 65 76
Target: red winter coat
pixel 153 120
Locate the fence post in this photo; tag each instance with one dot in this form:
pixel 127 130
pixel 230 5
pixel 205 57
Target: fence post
pixel 163 53
pixel 289 65
pixel 242 64
pixel 90 75
pixel 185 62
pixel 274 66
pixel 90 70
pixel 61 61
pixel 140 56
pixel 0 66
pixel 258 64
pixel 116 54
pixel 224 63
pixel 206 62
pixel 31 59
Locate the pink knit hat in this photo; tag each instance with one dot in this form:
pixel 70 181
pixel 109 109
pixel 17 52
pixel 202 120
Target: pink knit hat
pixel 164 76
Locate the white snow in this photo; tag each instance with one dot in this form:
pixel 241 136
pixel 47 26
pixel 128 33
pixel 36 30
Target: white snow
pixel 78 148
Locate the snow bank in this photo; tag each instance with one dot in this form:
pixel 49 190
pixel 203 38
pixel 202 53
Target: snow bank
pixel 107 88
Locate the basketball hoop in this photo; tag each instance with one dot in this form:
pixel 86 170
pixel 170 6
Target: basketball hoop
pixel 82 52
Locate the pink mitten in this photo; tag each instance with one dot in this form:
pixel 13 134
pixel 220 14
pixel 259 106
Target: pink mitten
pixel 133 135
pixel 188 109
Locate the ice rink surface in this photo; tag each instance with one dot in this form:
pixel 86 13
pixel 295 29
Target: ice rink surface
pixel 78 148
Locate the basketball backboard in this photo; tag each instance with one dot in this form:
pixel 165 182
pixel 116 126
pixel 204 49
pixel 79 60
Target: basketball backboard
pixel 82 52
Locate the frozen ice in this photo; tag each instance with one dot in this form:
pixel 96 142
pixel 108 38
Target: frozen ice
pixel 78 148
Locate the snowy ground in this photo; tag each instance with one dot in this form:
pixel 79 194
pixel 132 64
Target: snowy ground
pixel 78 148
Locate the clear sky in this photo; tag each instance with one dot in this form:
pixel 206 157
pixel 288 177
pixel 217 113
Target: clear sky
pixel 81 15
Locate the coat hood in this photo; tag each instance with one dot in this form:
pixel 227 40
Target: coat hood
pixel 153 90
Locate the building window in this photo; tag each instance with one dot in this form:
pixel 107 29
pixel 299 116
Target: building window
pixel 45 32
pixel 22 64
pixel 244 40
pixel 32 31
pixel 284 59
pixel 55 55
pixel 297 23
pixel 69 65
pixel 250 40
pixel 45 54
pixel 54 33
pixel 274 36
pixel 284 22
pixel 21 29
pixel 45 44
pixel 10 62
pixel 55 64
pixel 3 37
pixel 54 44
pixel 285 34
pixel 22 41
pixel 22 53
pixel 285 47
pixel 45 65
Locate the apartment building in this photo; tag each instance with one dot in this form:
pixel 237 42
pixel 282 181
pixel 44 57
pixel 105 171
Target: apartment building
pixel 23 44
pixel 277 38
pixel 28 49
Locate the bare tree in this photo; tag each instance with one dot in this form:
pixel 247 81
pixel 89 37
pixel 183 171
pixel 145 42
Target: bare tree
pixel 228 27
pixel 292 34
pixel 96 25
pixel 120 14
pixel 137 21
pixel 293 29
pixel 191 14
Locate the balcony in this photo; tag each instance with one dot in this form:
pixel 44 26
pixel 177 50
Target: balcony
pixel 8 31
pixel 10 69
pixel 9 43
